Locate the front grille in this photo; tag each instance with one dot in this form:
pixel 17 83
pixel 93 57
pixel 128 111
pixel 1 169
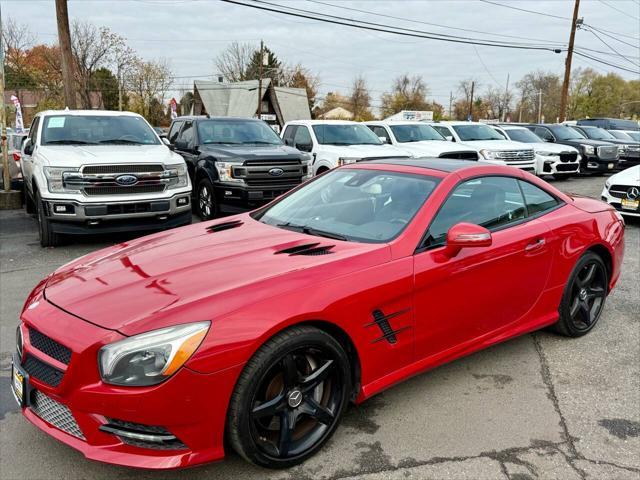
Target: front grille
pixel 608 152
pixel 119 426
pixel 256 173
pixel 516 156
pixel 271 163
pixel 54 413
pixel 566 167
pixel 293 181
pixel 49 346
pixel 95 191
pixel 568 157
pixel 115 169
pixel 42 371
pixel 619 191
pixel 460 155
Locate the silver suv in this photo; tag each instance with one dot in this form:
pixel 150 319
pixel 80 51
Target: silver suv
pixel 101 172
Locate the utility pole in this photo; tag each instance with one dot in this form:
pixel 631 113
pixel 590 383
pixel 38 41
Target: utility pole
pixel 540 106
pixel 567 63
pixel 470 117
pixel 260 79
pixel 506 100
pixel 450 104
pixel 64 40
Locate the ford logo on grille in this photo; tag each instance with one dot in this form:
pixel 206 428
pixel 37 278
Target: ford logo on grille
pixel 276 172
pixel 126 180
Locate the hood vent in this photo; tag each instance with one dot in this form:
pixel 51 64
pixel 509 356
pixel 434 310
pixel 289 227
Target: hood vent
pixel 218 227
pixel 308 249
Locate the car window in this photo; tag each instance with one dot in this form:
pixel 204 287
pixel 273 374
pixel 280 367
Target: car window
pixel 544 133
pixel 380 132
pixel 33 132
pixel 620 135
pixel 289 133
pixel 415 132
pixel 173 132
pixel 116 129
pixel 444 131
pixel 537 200
pixel 473 131
pixel 345 134
pixel 491 202
pixel 302 137
pixel 501 133
pixel 186 135
pixel 236 131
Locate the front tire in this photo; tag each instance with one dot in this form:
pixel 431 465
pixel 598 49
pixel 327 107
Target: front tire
pixel 289 398
pixel 48 238
pixel 584 297
pixel 206 206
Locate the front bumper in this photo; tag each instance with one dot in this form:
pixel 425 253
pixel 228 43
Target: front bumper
pixel 552 165
pixel 616 203
pixel 596 164
pixel 241 196
pixel 190 405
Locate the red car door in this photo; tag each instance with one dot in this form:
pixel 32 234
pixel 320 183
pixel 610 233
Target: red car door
pixel 482 289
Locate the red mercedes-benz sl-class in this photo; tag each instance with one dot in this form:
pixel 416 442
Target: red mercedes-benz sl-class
pixel 260 328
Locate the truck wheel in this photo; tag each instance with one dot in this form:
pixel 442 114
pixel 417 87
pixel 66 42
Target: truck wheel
pixel 28 202
pixel 206 206
pixel 48 238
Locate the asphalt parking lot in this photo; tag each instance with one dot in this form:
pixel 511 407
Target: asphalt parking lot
pixel 540 406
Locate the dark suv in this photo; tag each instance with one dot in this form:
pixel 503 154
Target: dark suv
pixel 629 149
pixel 597 156
pixel 235 163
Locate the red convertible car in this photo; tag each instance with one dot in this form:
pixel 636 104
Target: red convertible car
pixel 259 329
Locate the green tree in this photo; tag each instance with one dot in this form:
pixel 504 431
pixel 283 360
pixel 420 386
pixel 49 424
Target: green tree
pixel 531 86
pixel 271 68
pixel 105 82
pixel 360 100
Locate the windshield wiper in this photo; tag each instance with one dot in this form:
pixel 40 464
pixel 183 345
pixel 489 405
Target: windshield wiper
pixel 122 141
pixel 259 142
pixel 221 143
pixel 312 231
pixel 69 142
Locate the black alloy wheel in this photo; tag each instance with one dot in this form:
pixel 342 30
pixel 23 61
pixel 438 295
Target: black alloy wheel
pixel 290 398
pixel 584 296
pixel 206 200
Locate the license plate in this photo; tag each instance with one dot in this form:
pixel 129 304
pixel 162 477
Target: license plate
pixel 628 204
pixel 610 166
pixel 18 383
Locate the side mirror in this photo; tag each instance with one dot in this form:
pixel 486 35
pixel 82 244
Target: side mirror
pixel 465 235
pixel 304 147
pixel 27 147
pixel 449 138
pixel 165 140
pixel 181 145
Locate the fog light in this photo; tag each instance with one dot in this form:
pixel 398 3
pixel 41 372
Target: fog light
pixel 63 208
pixel 228 193
pixel 183 201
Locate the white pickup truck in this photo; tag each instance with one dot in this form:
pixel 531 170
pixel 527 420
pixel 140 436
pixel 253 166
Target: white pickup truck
pixel 333 143
pixel 101 172
pixel 491 146
pixel 420 140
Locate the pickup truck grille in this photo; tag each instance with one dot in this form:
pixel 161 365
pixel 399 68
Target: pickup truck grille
pixel 97 180
pixel 516 156
pixel 608 152
pixel 273 173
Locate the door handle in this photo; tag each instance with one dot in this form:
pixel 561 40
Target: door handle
pixel 535 245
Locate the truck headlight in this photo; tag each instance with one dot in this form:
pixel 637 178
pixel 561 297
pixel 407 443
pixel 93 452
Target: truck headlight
pixel 152 357
pixel 622 148
pixel 347 160
pixel 225 171
pixel 588 149
pixel 178 175
pixel 489 154
pixel 307 167
pixel 547 154
pixel 56 179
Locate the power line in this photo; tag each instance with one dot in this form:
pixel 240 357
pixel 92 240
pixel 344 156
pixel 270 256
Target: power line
pixel 599 60
pixel 611 48
pixel 603 32
pixel 618 10
pixel 385 28
pixel 525 10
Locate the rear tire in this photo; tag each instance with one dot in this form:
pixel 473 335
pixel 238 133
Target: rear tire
pixel 206 206
pixel 48 238
pixel 289 398
pixel 584 297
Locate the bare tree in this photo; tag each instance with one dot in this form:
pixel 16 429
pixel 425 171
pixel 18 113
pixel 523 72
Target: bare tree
pixel 360 100
pixel 408 93
pixel 148 82
pixel 17 41
pixel 234 61
pixel 301 77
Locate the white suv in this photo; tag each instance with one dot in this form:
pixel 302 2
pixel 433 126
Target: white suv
pixel 561 161
pixel 491 146
pixel 333 143
pixel 101 172
pixel 420 140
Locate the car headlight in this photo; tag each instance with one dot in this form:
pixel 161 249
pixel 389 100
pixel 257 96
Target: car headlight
pixel 622 148
pixel 347 160
pixel 547 154
pixel 151 357
pixel 178 175
pixel 56 177
pixel 226 171
pixel 307 168
pixel 589 149
pixel 489 154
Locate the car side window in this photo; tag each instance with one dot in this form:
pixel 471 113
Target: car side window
pixel 543 133
pixel 381 132
pixel 501 133
pixel 289 133
pixel 173 132
pixel 537 200
pixel 491 202
pixel 186 135
pixel 444 131
pixel 33 131
pixel 302 139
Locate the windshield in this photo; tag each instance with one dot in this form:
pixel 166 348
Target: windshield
pixel 597 134
pixel 562 132
pixel 97 130
pixel 620 135
pixel 468 133
pixel 242 132
pixel 523 135
pixel 369 206
pixel 345 134
pixel 634 135
pixel 415 133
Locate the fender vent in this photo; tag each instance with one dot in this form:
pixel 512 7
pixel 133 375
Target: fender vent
pixel 218 227
pixel 308 249
pixel 382 321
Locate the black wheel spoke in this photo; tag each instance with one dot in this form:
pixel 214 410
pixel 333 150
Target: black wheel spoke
pixel 575 307
pixel 287 425
pixel 317 376
pixel 270 407
pixel 290 371
pixel 585 312
pixel 590 275
pixel 317 411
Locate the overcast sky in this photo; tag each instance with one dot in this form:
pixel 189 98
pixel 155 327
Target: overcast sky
pixel 190 34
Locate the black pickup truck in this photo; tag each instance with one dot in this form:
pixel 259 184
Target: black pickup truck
pixel 235 164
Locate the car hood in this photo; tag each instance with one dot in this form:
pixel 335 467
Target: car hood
pixel 363 151
pixel 552 147
pixel 585 141
pixel 497 145
pixel 630 176
pixel 193 273
pixel 250 152
pixel 79 155
pixel 433 148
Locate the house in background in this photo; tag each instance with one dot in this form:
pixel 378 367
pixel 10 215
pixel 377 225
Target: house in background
pixel 279 105
pixel 337 113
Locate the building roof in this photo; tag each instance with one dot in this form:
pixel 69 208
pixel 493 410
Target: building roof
pixel 337 114
pixel 293 103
